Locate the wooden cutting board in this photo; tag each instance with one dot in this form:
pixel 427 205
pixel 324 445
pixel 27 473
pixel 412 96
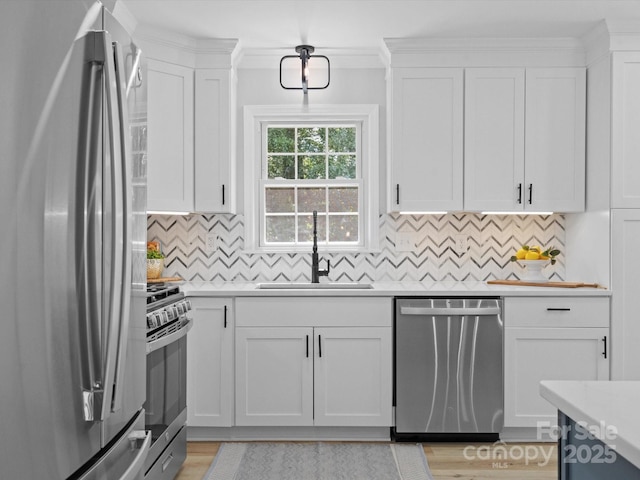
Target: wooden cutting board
pixel 164 280
pixel 544 284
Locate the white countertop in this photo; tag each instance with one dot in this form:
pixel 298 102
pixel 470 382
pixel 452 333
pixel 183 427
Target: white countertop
pixel 391 289
pixel 602 404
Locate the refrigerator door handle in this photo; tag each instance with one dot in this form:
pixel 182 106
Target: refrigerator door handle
pixel 114 236
pixel 92 206
pixel 127 224
pixel 90 346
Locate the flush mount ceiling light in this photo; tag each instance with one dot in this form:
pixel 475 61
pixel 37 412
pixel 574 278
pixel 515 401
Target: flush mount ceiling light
pixel 313 70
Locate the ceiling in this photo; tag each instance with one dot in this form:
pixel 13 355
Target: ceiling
pixel 335 24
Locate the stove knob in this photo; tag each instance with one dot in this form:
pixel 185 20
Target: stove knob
pixel 165 317
pixel 188 304
pixel 150 323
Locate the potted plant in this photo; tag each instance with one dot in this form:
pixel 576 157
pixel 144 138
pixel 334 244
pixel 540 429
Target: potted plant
pixel 155 260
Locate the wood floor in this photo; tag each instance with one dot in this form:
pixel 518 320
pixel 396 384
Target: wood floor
pixel 460 461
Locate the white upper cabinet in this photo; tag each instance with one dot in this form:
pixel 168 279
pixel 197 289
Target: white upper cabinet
pixel 191 134
pixel 426 135
pixel 169 137
pixel 525 139
pixel 214 142
pixel 625 130
pixel 555 139
pixel 494 139
pixel 486 125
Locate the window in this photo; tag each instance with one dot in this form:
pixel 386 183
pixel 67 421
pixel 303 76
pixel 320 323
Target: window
pixel 310 168
pixel 321 159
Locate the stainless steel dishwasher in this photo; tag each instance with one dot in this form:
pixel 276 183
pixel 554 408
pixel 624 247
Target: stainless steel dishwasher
pixel 448 369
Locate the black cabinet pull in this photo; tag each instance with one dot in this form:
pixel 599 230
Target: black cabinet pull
pixel 530 193
pixel 225 316
pixel 604 352
pixel 558 309
pixel 519 193
pixel 307 346
pixel 397 194
pixel 319 346
pixel 223 194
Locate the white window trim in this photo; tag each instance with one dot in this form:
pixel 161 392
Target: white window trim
pixel 257 115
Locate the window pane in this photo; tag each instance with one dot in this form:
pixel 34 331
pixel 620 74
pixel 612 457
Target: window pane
pixel 281 166
pixel 281 140
pixel 342 166
pixel 344 199
pixel 342 139
pixel 278 200
pixel 280 229
pixel 305 228
pixel 311 140
pixel 343 228
pixel 312 167
pixel 310 199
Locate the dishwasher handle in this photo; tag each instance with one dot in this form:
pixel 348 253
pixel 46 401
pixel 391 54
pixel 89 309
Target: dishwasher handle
pixel 448 312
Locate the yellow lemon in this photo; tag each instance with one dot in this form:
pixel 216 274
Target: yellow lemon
pixel 531 255
pixel 535 248
pixel 520 254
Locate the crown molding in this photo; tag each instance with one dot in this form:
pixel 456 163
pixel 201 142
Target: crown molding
pixel 227 52
pixel 624 34
pixel 610 36
pixel 188 51
pixel 485 51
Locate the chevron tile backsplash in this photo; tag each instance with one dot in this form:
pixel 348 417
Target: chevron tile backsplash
pixel 492 239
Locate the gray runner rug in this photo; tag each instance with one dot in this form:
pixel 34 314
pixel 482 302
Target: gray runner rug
pixel 319 461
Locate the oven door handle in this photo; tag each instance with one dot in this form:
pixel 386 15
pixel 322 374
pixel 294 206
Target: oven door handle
pixel 172 337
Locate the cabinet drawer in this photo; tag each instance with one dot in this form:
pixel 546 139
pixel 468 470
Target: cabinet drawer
pixel 314 312
pixel 556 312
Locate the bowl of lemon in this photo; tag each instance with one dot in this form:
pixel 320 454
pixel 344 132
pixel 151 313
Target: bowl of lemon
pixel 534 259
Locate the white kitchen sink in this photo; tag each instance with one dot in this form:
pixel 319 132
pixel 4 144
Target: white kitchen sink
pixel 313 286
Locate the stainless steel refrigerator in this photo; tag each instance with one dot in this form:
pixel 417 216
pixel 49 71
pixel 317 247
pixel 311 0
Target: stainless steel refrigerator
pixel 72 244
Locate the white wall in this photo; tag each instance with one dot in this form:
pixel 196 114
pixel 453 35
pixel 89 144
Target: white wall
pixel 261 86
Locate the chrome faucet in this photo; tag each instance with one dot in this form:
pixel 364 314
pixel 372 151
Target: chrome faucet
pixel 316 273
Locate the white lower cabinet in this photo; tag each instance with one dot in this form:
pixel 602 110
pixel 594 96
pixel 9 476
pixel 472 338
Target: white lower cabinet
pixel 210 363
pixel 315 373
pixel 274 376
pixel 552 338
pixel 352 376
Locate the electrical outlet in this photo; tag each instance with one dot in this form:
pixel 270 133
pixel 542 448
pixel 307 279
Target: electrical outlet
pixel 210 242
pixel 404 242
pixel 462 244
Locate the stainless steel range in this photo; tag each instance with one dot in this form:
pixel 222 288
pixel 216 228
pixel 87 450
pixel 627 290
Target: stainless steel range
pixel 166 406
